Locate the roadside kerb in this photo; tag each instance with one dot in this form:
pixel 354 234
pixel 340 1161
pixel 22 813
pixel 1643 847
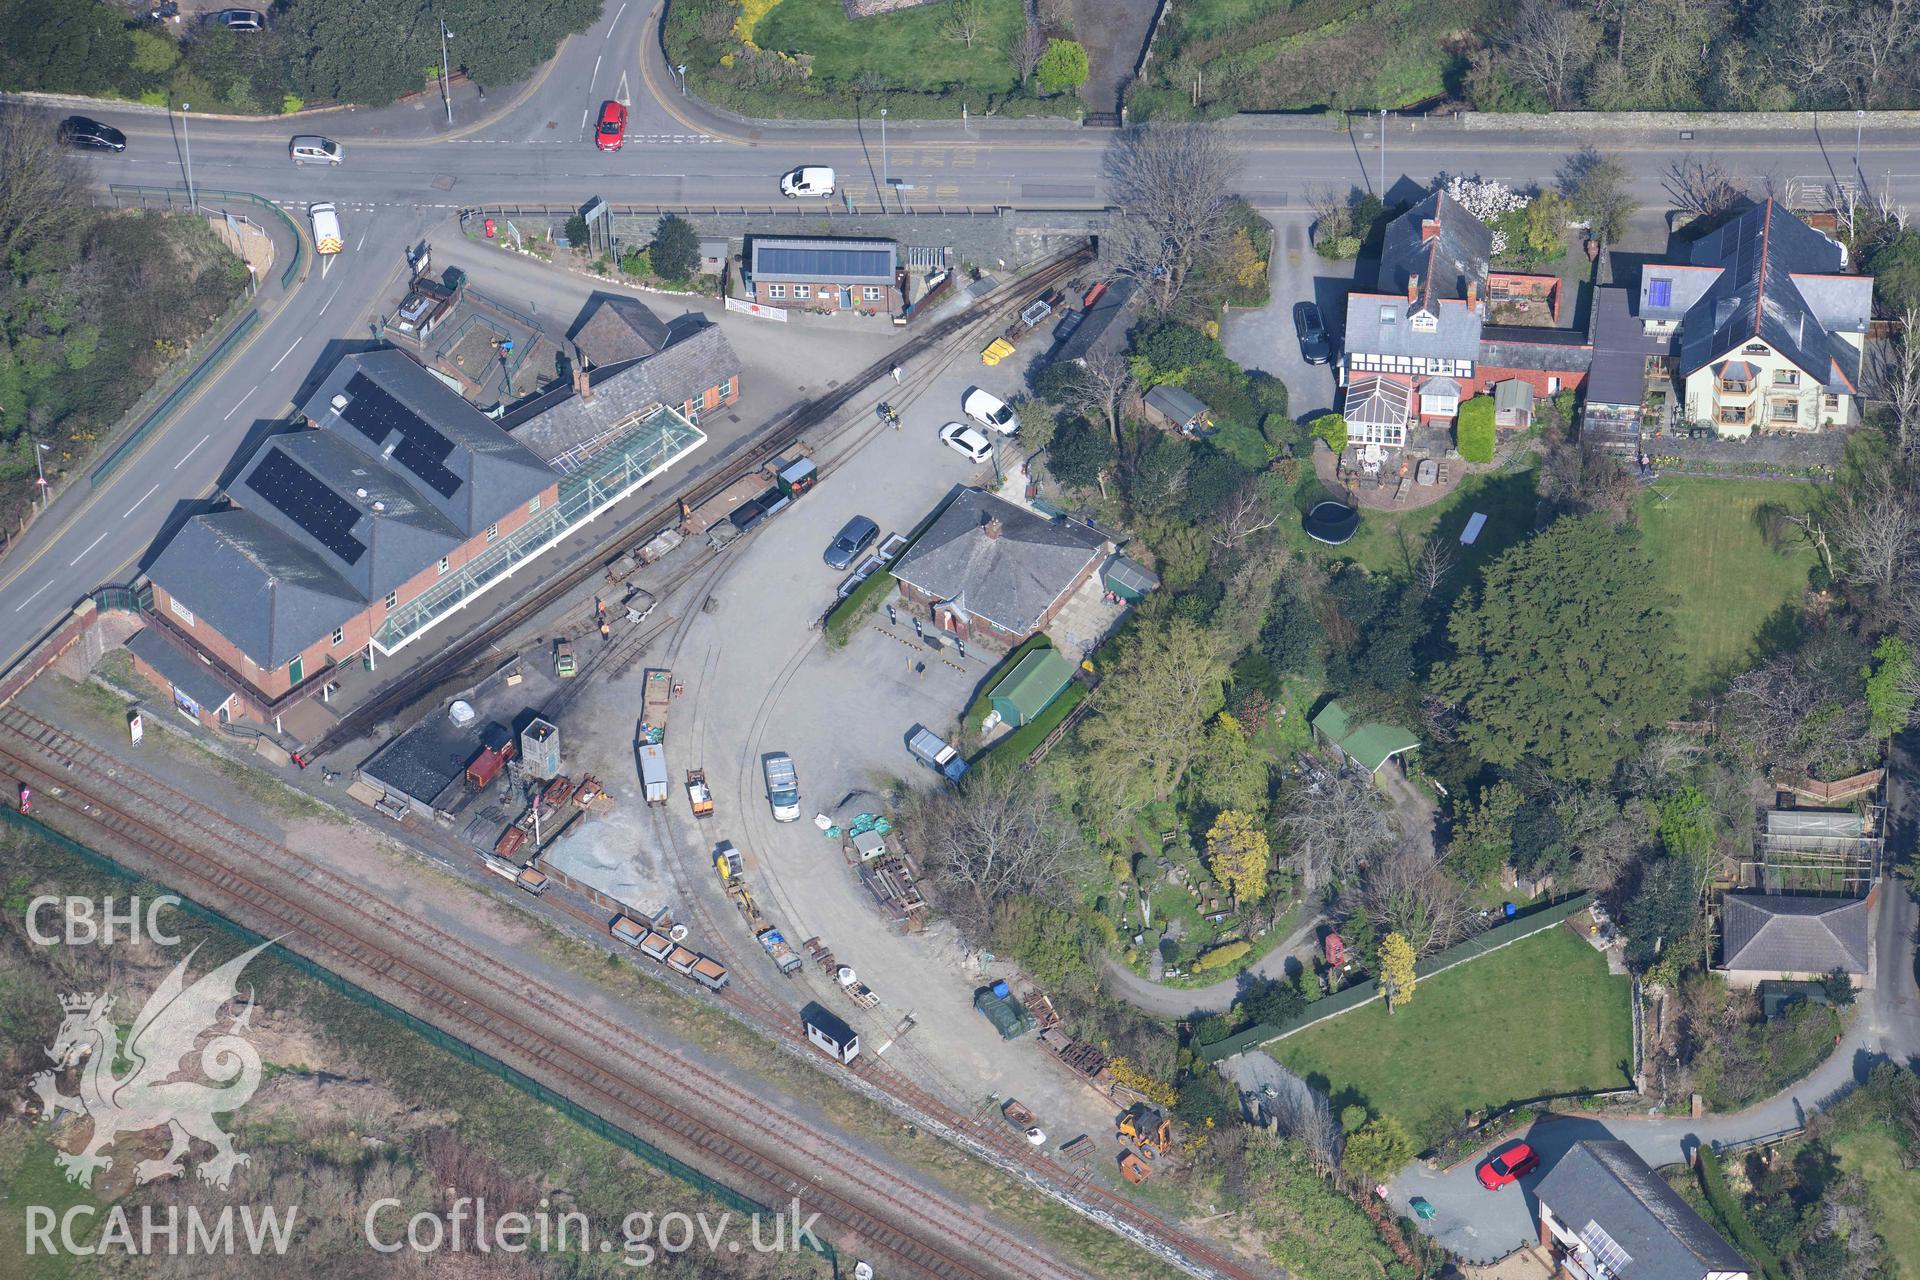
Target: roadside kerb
pixel 162 411
pixel 1539 920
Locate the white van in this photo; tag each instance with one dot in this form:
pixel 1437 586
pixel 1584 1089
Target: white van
pixel 311 148
pixel 808 180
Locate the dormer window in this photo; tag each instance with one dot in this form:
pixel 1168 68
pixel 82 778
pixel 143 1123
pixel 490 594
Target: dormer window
pixel 1425 322
pixel 1659 293
pixel 1388 315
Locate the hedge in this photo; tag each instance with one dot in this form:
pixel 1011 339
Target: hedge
pixel 1714 1183
pixel 1224 954
pixel 1473 430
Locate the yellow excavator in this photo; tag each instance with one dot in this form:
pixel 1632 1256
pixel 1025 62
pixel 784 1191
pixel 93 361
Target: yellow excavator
pixel 1146 1128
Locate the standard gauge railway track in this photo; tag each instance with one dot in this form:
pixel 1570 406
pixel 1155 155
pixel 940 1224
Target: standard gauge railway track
pixel 580 1052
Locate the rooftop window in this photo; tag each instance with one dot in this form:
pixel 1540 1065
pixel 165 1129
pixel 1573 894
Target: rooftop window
pixel 1660 293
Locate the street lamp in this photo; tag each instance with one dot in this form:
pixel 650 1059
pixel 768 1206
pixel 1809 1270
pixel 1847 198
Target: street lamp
pixel 883 157
pixel 1859 119
pixel 446 83
pixel 1383 153
pixel 40 467
pixel 192 200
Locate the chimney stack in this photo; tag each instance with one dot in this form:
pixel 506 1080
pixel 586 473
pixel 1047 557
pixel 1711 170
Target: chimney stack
pixel 1429 230
pixel 992 527
pixel 1413 288
pixel 582 384
pixel 1473 294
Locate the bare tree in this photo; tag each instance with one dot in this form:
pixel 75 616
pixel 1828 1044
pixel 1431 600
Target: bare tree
pixel 1249 510
pixel 1025 50
pixel 1878 40
pixel 1796 709
pixel 1596 184
pixel 1701 186
pixel 1876 532
pixel 1409 894
pixel 39 182
pixel 1175 182
pixel 1580 477
pixel 1602 836
pixel 1332 216
pixel 1896 376
pixel 1333 826
pixel 1435 565
pixel 999 835
pixel 1549 45
pixel 963 20
pixel 1099 389
pixel 1301 1112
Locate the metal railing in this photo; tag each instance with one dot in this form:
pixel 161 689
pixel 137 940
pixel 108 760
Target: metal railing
pixel 174 197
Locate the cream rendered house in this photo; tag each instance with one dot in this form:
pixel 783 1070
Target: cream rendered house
pixel 1768 326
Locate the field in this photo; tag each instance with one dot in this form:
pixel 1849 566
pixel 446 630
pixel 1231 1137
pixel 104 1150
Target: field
pixel 1894 1193
pixel 1712 554
pixel 1277 55
pixel 910 50
pixel 1540 1017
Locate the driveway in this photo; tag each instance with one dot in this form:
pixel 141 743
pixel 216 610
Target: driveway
pixel 1179 1002
pixel 1113 32
pixel 1264 338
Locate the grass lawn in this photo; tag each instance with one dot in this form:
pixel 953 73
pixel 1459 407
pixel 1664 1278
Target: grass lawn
pixel 1713 556
pixel 1540 1017
pixel 1389 542
pixel 1893 1192
pixel 909 50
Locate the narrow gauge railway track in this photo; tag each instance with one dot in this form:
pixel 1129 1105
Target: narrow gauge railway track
pixel 459 656
pixel 468 994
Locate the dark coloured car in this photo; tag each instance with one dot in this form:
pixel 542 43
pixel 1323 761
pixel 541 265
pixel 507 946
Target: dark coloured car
pixel 78 131
pixel 1516 1162
pixel 1315 346
pixel 241 19
pixel 852 540
pixel 612 132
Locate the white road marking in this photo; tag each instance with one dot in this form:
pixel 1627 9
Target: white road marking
pixel 330 298
pixel 90 546
pixel 584 113
pixel 236 408
pixel 136 506
pixel 203 439
pixel 283 359
pixel 596 73
pixel 357 244
pixel 29 600
pixel 616 19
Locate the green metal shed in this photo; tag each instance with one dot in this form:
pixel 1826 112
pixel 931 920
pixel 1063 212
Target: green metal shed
pixel 1129 579
pixel 1369 745
pixel 1031 686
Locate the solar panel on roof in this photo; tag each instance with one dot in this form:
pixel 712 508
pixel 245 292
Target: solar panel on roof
pixel 831 264
pixel 322 514
pixel 422 450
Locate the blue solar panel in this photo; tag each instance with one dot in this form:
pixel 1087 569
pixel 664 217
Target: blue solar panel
pixel 422 450
pixel 322 514
pixel 826 264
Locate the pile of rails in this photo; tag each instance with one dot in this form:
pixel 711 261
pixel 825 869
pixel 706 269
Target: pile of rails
pixel 843 975
pixel 550 814
pixel 889 875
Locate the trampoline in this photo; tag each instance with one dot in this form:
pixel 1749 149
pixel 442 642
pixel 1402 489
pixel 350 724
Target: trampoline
pixel 1332 523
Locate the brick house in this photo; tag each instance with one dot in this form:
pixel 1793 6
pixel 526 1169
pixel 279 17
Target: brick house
pixel 395 505
pixel 994 573
pixel 826 274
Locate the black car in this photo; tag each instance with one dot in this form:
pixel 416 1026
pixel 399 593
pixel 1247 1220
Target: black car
pixel 1315 346
pixel 78 131
pixel 855 538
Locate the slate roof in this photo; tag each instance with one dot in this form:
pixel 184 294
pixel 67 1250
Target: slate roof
pixel 561 420
pixel 1011 580
pixel 1377 400
pixel 265 592
pixel 1603 1182
pixel 1794 933
pixel 182 670
pixel 1780 282
pixel 1176 403
pixel 1377 325
pixel 619 329
pixel 490 473
pixel 1102 325
pixel 1456 252
pixel 1515 346
pixel 1621 346
pixel 829 260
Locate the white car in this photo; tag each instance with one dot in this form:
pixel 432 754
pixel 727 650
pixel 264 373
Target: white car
pixel 989 410
pixel 967 440
pixel 808 180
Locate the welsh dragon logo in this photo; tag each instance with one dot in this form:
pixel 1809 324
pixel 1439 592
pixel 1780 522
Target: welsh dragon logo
pixel 147 1096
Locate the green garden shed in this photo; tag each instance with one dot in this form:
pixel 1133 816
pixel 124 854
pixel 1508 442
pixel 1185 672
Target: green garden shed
pixel 1129 579
pixel 1031 686
pixel 1368 745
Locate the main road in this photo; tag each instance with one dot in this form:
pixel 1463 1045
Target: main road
pixel 408 167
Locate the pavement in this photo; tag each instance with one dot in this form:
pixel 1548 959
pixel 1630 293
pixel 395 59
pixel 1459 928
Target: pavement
pixel 1264 337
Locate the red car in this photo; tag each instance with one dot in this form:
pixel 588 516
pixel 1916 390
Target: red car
pixel 612 130
pixel 1509 1166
